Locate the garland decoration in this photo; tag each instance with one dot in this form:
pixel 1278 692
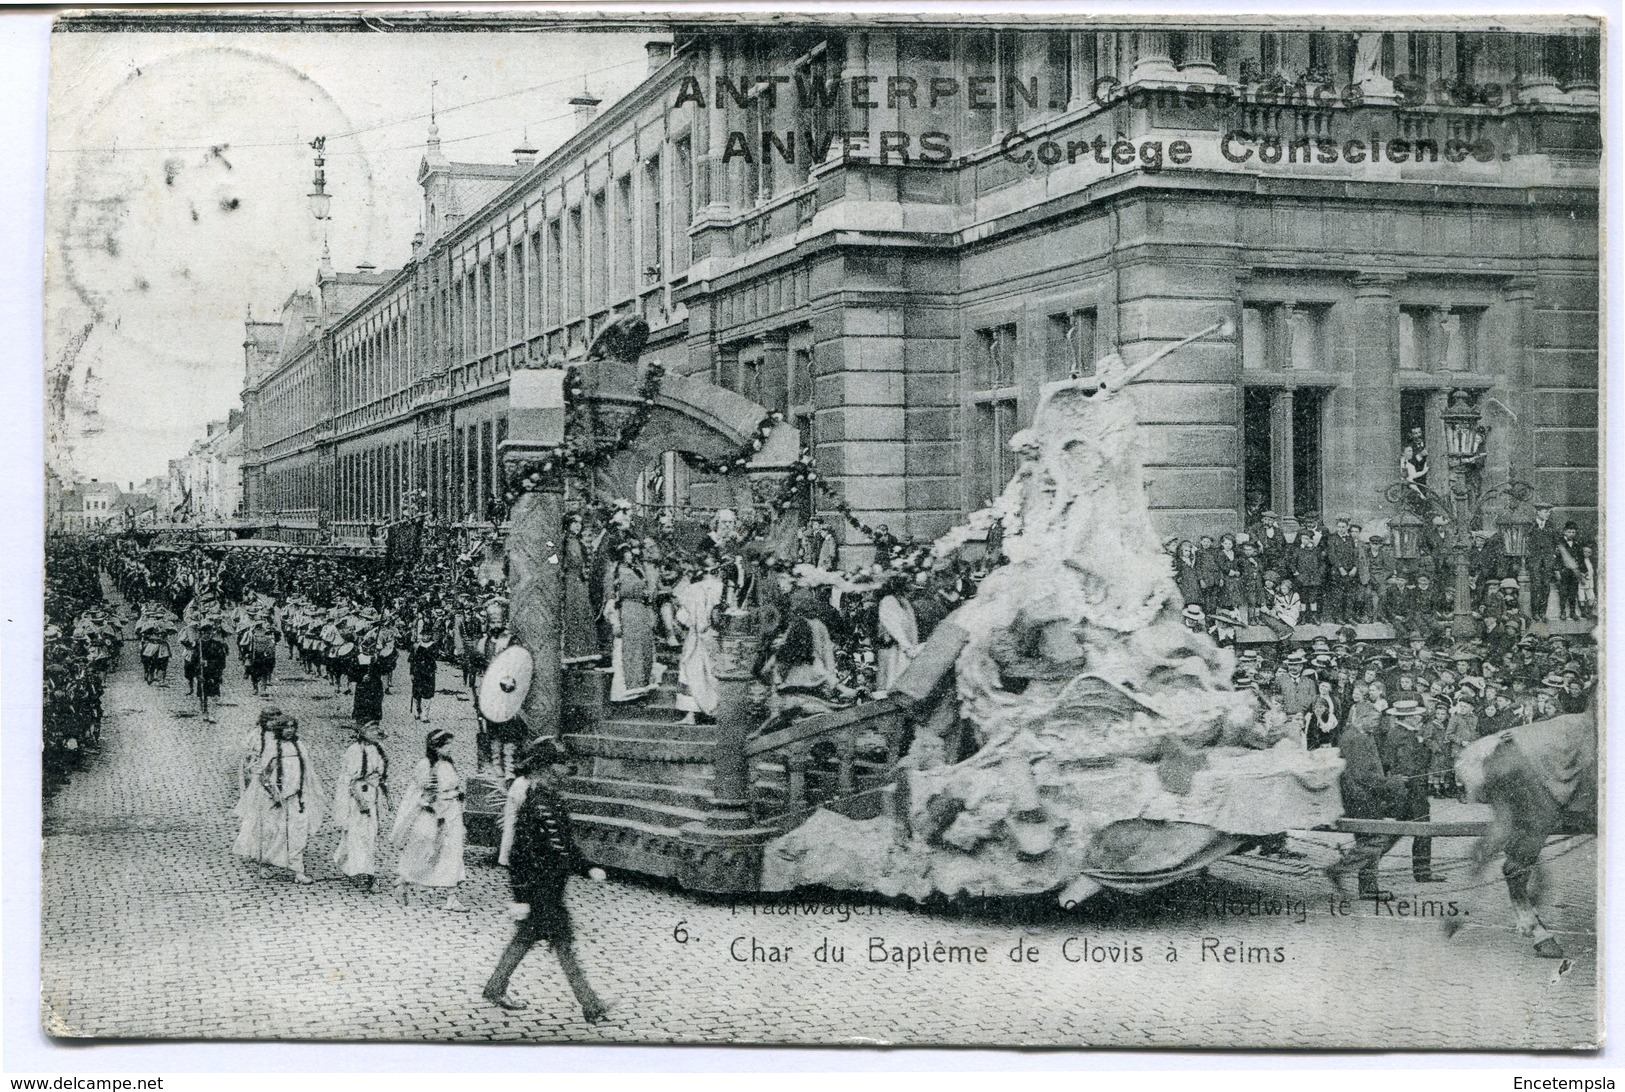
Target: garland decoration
pixel 583 449
pixel 739 460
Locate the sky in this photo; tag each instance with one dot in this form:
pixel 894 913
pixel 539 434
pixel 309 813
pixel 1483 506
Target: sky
pixel 177 176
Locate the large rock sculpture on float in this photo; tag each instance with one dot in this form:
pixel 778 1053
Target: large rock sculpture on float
pixel 1111 747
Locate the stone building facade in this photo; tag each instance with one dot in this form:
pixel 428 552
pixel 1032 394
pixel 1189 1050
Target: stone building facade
pixel 896 235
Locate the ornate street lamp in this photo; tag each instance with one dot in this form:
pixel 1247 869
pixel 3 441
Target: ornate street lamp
pixel 1407 530
pixel 1461 418
pixel 321 202
pixel 1515 526
pixel 1464 436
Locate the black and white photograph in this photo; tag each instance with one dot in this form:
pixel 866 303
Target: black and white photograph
pixel 851 530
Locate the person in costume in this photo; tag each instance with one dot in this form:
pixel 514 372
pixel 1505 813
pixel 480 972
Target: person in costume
pixel 211 665
pixel 541 858
pixel 633 624
pixel 696 603
pixel 897 630
pixel 580 625
pixel 294 802
pixel 252 801
pixel 368 703
pixel 422 663
pixel 358 804
pixel 428 828
pixel 389 651
pixel 259 654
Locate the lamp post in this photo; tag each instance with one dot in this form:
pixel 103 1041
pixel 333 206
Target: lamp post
pixel 1464 436
pixel 321 202
pixel 321 205
pixel 1460 507
pixel 1407 530
pixel 1515 526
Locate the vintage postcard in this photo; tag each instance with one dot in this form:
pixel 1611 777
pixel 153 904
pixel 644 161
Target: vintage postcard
pixel 846 530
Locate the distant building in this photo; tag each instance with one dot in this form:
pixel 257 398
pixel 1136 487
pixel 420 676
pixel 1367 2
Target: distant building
pixel 206 485
pixel 92 506
pixel 156 490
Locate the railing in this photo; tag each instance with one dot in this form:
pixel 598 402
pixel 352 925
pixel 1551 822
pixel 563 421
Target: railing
pixel 356 531
pixel 288 517
pixel 845 761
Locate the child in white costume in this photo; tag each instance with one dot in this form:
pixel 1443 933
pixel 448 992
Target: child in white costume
pixel 358 804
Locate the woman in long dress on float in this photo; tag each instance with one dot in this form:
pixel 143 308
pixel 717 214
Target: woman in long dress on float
pixel 428 828
pixel 633 624
pixel 696 602
pixel 899 632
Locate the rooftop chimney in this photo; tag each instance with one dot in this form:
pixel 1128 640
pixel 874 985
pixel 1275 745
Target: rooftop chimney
pixel 365 267
pixel 586 109
pixel 659 54
pixel 524 156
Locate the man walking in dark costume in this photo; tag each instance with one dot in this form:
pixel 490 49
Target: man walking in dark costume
pixel 211 665
pixel 541 860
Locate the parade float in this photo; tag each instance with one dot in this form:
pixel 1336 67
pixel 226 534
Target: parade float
pixel 1062 731
pixel 1108 744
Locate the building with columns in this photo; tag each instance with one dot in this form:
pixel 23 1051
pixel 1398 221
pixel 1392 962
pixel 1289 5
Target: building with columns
pixel 897 234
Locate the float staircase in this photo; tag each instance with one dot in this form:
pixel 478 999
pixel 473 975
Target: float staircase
pixel 642 775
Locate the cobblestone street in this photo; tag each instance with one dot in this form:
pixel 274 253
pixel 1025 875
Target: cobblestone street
pixel 152 928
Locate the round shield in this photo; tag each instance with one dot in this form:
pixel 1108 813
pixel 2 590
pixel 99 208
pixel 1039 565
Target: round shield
pixel 506 682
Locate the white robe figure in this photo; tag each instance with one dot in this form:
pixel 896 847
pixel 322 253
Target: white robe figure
pixel 696 602
pixel 902 639
pixel 429 828
pixel 358 801
pixel 253 803
pixel 823 647
pixel 295 813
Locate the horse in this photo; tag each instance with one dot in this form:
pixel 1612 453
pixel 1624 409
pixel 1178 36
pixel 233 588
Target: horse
pixel 1539 779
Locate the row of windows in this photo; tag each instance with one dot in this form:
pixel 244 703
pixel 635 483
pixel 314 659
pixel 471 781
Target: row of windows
pixel 289 405
pixel 374 365
pixel 595 254
pixel 477 467
pixel 297 487
pixel 1275 337
pixel 462 476
pixel 1298 336
pixel 371 484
